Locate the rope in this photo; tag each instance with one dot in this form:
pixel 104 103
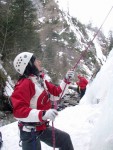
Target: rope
pixel 53 129
pixel 53 135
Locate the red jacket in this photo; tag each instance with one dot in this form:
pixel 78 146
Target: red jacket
pixel 82 83
pixel 29 99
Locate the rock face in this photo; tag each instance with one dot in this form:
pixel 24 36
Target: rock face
pixel 63 40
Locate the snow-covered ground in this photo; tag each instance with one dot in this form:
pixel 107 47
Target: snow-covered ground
pixel 90 124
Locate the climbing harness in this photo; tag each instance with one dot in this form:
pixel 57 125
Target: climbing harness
pixel 32 128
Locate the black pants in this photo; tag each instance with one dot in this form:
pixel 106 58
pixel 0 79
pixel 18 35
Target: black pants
pixel 82 92
pixel 31 141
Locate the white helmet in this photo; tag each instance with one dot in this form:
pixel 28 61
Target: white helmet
pixel 21 61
